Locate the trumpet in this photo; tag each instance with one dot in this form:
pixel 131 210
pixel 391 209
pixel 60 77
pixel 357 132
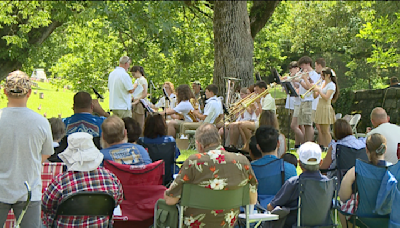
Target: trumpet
pixel 297 75
pixel 311 88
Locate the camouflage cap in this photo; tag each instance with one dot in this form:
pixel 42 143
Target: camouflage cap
pixel 17 83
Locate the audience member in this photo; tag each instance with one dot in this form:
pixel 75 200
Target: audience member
pixel 394 82
pixel 155 132
pixel 290 158
pixel 26 142
pixel 83 174
pixel 288 196
pixel 58 132
pixel 376 146
pixel 254 154
pixel 120 87
pixel 83 119
pixel 133 129
pixel 267 138
pixel 391 132
pixel 114 141
pixel 216 169
pixel 344 136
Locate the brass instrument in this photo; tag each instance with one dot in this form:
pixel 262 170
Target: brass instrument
pixel 310 89
pixel 195 105
pixel 297 75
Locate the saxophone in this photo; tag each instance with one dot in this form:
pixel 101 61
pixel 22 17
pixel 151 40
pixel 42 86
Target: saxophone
pixel 195 105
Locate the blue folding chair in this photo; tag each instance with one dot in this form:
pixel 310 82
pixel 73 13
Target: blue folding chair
pixel 270 178
pixel 394 218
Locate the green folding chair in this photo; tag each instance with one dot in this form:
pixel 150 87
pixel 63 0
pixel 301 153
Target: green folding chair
pixel 195 196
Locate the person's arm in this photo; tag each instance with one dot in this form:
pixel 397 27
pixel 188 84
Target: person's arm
pixel 169 200
pixel 326 96
pixel 327 161
pixel 98 109
pixel 47 147
pixel 50 199
pixel 284 194
pixel 44 158
pixel 345 187
pixel 169 111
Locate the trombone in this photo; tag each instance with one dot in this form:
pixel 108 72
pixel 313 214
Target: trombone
pixel 310 89
pixel 297 75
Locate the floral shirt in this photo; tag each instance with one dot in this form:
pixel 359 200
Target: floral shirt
pixel 218 170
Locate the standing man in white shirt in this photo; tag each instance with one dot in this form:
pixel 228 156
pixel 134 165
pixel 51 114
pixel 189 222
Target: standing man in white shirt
pixel 306 115
pixel 120 87
pixel 380 121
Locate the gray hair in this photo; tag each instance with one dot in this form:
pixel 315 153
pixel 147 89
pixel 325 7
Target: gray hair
pixel 207 134
pixel 124 59
pixel 309 167
pixel 57 128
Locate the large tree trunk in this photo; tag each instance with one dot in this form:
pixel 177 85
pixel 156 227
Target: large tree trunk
pixel 233 44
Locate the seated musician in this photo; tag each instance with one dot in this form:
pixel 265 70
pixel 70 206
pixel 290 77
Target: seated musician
pixel 213 110
pixel 163 102
pixel 232 129
pixel 180 113
pixel 264 103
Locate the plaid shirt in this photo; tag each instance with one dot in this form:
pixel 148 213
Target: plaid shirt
pixel 70 182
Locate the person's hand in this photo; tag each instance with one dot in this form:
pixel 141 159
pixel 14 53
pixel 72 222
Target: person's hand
pixel 98 109
pixel 135 102
pixel 317 89
pixel 368 130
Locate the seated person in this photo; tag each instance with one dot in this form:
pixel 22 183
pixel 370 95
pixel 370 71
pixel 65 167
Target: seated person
pixel 155 131
pixel 288 196
pixel 394 82
pixel 344 136
pixel 83 119
pixel 267 139
pixel 213 110
pixel 58 132
pixel 133 129
pixel 163 102
pixel 290 158
pixel 114 142
pixel 84 173
pixel 180 113
pixel 216 169
pixel 376 149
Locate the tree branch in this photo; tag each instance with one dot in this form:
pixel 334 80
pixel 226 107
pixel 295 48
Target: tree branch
pixel 260 13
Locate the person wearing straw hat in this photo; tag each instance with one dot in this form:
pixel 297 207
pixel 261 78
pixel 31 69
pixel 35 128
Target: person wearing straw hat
pixel 26 142
pixel 84 173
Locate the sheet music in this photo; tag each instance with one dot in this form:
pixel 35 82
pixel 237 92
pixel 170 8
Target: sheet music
pixel 117 211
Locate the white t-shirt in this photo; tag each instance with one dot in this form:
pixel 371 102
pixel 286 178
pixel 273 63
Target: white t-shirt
pixel 290 102
pixel 25 136
pixel 315 77
pixel 161 102
pixel 247 116
pixel 119 83
pixel 143 83
pixel 213 106
pixel 268 103
pixel 183 108
pixel 392 134
pixel 329 86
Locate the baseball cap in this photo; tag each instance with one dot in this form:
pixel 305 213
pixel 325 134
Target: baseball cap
pixel 196 82
pixel 310 153
pixel 17 83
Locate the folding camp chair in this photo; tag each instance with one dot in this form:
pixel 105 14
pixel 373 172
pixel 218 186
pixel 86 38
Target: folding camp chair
pixel 270 178
pixel 346 159
pixel 338 116
pixel 86 204
pixel 195 196
pixel 142 186
pixel 315 203
pixel 368 182
pixel 49 171
pixel 354 122
pixel 165 152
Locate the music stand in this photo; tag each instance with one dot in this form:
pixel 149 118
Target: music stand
pixel 228 80
pixel 292 93
pixel 165 103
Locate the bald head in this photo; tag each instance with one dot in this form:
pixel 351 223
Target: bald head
pixel 379 116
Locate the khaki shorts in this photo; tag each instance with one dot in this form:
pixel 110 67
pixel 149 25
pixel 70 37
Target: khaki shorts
pixel 313 115
pixel 122 113
pixel 138 108
pixel 296 111
pixel 305 114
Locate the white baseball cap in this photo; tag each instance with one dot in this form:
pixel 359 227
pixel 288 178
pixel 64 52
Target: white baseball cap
pixel 310 153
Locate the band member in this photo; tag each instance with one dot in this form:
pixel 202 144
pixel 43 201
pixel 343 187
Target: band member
pixel 325 115
pixel 140 92
pixel 309 77
pixel 180 113
pixel 294 125
pixel 213 111
pixel 163 102
pixel 264 103
pixel 232 129
pixel 319 64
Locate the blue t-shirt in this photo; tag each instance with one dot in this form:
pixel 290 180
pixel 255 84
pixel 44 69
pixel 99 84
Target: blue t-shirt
pixel 290 169
pixel 126 153
pixel 84 122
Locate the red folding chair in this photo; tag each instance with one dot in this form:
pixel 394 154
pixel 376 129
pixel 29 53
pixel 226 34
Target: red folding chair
pixel 142 187
pixel 49 171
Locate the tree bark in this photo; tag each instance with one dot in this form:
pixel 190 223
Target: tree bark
pixel 233 44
